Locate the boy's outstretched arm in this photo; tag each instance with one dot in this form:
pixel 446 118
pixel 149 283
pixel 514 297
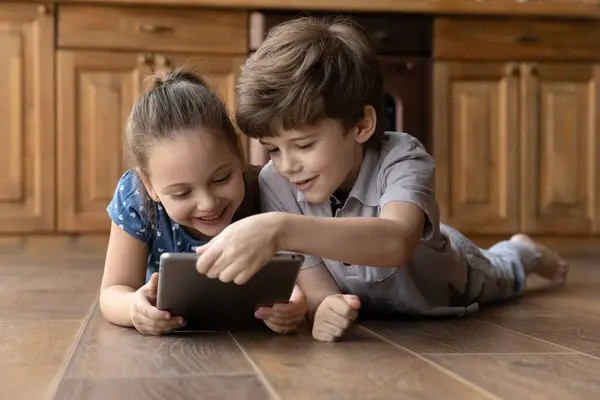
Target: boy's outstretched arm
pixel 245 246
pixel 387 241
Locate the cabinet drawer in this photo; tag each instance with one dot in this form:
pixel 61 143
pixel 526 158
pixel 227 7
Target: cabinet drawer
pixel 393 34
pixel 516 39
pixel 152 29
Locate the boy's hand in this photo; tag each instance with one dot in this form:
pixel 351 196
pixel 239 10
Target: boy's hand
pixel 335 315
pixel 148 319
pixel 285 318
pixel 240 250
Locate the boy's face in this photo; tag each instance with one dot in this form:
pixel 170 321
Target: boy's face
pixel 319 159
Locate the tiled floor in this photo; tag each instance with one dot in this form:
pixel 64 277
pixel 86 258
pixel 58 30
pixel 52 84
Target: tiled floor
pixel 544 345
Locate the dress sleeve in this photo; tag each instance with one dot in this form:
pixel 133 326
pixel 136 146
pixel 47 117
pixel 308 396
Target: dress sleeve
pixel 127 207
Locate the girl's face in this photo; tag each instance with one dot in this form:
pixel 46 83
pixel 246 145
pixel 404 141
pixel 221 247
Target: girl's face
pixel 198 180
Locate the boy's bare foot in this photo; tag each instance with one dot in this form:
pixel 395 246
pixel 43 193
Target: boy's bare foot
pixel 551 266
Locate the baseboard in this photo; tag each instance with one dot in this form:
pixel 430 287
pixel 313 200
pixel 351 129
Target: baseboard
pixel 567 245
pixel 94 245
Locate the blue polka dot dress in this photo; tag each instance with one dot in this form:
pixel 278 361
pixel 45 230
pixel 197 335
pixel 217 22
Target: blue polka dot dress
pixel 127 210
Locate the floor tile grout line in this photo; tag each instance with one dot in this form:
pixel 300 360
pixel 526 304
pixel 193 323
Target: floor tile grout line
pixel 38 320
pixel 166 376
pixel 441 368
pixel 261 376
pixel 574 351
pixel 60 374
pixel 527 353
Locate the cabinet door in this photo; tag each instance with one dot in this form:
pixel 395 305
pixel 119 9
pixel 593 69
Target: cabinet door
pixel 219 72
pixel 26 118
pixel 561 148
pixel 97 91
pixel 475 144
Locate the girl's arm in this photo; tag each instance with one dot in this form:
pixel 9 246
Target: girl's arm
pixel 124 273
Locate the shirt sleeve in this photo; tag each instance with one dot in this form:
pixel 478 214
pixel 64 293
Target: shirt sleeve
pixel 278 195
pixel 407 174
pixel 127 207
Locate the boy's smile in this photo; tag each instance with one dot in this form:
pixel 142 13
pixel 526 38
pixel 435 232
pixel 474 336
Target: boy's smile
pixel 318 159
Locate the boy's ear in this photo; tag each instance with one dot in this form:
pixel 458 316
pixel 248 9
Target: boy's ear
pixel 147 185
pixel 365 127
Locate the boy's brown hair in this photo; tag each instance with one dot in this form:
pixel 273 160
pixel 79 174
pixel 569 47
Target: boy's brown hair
pixel 308 69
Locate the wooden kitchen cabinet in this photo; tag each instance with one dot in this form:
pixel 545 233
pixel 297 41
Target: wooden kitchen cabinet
pixel 476 143
pixel 97 92
pixel 560 172
pixel 219 72
pixel 27 118
pixel 516 146
pixel 100 85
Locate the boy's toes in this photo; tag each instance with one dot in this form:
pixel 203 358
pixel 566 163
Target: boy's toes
pixel 551 266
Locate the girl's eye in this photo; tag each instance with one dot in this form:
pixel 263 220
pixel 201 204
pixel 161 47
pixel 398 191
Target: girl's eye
pixel 305 146
pixel 180 195
pixel 223 179
pixel 272 151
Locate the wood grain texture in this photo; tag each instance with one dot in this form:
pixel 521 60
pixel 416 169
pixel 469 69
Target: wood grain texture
pixel 362 366
pixel 240 387
pixel 153 29
pixel 585 9
pixel 43 290
pixel 543 376
pixel 109 351
pixel 516 39
pixel 467 335
pixel 31 354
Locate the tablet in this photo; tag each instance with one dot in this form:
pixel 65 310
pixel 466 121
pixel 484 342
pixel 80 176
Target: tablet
pixel 209 304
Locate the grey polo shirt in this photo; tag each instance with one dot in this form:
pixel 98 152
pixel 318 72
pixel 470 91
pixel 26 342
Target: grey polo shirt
pixel 401 170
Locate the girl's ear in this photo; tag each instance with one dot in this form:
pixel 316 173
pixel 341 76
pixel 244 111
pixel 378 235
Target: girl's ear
pixel 365 127
pixel 149 189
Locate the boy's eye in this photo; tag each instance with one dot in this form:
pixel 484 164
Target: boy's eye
pixel 223 179
pixel 305 146
pixel 180 195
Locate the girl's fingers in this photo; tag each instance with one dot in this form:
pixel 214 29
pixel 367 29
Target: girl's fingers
pixel 158 326
pixel 280 328
pixel 283 321
pixel 146 309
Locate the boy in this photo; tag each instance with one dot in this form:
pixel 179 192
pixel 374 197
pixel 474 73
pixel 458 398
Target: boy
pixel 313 94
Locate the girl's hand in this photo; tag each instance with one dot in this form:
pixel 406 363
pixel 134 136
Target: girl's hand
pixel 285 318
pixel 148 319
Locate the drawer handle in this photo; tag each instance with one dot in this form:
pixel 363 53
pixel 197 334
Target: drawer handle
pixel 527 39
pixel 154 28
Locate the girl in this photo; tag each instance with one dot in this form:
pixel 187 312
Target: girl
pixel 188 184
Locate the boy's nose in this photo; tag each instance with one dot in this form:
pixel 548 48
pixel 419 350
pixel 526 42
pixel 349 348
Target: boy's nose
pixel 290 166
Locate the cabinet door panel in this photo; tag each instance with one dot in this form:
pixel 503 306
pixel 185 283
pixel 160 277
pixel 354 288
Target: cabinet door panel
pixel 475 141
pixel 97 92
pixel 561 149
pixel 26 118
